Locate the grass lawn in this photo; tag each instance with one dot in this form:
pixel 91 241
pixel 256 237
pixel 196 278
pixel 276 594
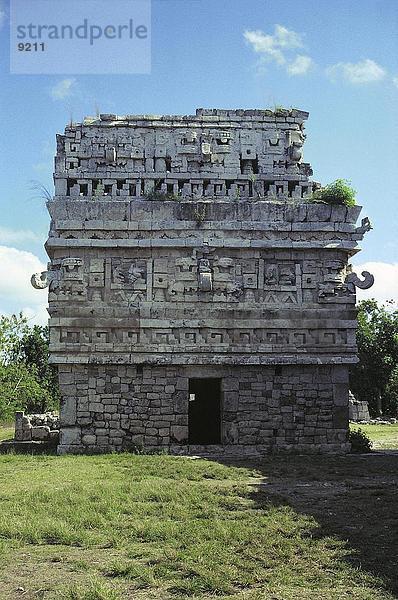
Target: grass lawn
pixel 6 432
pixel 160 527
pixel 383 436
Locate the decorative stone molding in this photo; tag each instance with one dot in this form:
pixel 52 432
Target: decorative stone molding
pixel 352 281
pixel 365 226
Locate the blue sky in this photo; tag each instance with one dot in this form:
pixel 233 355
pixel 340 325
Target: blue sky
pixel 338 60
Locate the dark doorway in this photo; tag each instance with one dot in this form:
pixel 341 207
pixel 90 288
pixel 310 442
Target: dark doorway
pixel 204 414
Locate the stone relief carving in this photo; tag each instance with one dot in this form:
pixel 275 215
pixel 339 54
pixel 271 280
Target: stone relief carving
pixel 66 280
pixel 334 273
pixel 129 274
pixel 295 141
pixel 205 275
pixel 201 337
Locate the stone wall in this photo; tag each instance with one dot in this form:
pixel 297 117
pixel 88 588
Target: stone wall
pixel 213 154
pixel 187 247
pixel 300 408
pixel 358 411
pixel 37 427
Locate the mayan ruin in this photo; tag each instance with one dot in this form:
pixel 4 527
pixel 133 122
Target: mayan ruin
pixel 199 302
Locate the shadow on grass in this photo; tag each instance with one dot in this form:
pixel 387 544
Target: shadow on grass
pixel 12 447
pixel 352 498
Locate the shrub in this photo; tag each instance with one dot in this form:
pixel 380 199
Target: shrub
pixel 337 192
pixel 360 441
pixel 157 195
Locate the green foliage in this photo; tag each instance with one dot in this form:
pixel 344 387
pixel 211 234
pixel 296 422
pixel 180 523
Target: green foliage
pixel 20 389
pixel 27 381
pixel 391 393
pixel 374 378
pixel 359 441
pixel 99 190
pixel 11 330
pixel 199 214
pixel 156 195
pixel 337 192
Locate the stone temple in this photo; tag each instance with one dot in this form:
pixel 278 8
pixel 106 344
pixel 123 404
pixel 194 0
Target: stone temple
pixel 199 301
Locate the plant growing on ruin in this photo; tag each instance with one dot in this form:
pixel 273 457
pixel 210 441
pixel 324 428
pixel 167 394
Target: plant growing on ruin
pixel 156 195
pixel 99 190
pixel 278 109
pixel 199 214
pixel 253 178
pixel 41 191
pixel 338 192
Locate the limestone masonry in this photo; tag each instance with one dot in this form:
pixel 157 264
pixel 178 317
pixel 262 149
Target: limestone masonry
pixel 199 301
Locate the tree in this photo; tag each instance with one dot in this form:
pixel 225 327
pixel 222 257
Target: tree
pixel 32 349
pixel 375 378
pixel 11 330
pixel 27 381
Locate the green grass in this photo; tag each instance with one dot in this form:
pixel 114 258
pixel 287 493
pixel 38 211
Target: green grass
pixel 6 432
pixel 383 436
pixel 122 526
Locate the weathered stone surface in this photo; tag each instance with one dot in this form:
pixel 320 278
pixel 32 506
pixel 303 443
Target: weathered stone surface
pixel 358 411
pixel 40 433
pixel 68 411
pixel 70 436
pixel 183 249
pixel 36 427
pixel 179 433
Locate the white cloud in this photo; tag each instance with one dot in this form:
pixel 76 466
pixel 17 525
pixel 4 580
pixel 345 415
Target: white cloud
pixel 16 292
pixel 278 48
pixel 395 81
pixel 364 71
pixel 265 45
pixel 300 65
pixel 385 286
pixel 63 89
pixel 17 236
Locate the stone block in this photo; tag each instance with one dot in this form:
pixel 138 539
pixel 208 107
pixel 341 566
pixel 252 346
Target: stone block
pixel 340 374
pixel 23 435
pixel 340 417
pixel 340 394
pixel 179 433
pixel 89 440
pixel 68 410
pixel 70 436
pixel 41 433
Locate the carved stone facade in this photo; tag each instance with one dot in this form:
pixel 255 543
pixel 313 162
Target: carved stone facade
pixel 185 250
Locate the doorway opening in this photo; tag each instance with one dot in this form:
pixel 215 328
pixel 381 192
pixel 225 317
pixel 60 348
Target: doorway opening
pixel 204 413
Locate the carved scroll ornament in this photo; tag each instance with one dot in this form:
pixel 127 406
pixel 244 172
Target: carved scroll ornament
pixel 352 281
pixel 39 280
